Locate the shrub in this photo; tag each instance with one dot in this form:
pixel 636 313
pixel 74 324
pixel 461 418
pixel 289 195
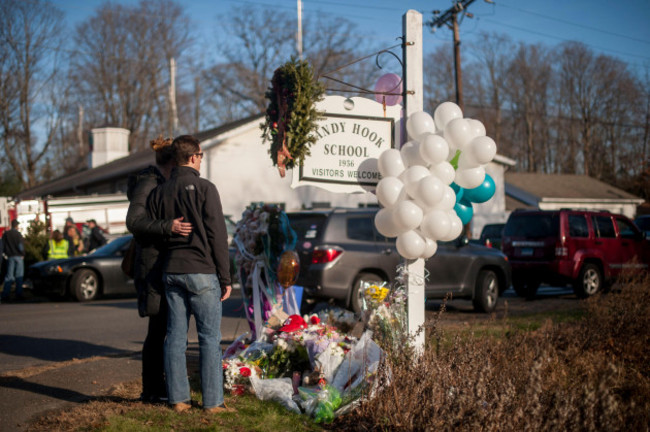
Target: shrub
pixel 35 241
pixel 587 375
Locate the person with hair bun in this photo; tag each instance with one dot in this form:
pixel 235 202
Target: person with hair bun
pixel 196 277
pixel 149 235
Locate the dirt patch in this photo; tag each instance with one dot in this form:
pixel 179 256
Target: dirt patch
pixel 92 414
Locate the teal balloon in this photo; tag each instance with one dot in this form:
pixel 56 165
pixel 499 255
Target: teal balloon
pixel 459 191
pixel 464 210
pixel 482 192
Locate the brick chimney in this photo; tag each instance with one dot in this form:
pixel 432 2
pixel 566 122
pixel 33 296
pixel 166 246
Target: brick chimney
pixel 107 144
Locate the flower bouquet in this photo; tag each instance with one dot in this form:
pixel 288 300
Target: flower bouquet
pixel 330 367
pixel 385 312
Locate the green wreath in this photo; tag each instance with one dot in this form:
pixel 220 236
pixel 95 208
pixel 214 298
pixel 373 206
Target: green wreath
pixel 291 115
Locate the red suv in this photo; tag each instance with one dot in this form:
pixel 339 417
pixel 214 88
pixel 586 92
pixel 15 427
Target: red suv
pixel 583 248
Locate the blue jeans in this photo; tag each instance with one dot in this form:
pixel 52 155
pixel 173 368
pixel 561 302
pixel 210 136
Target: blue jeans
pixel 198 294
pixel 15 272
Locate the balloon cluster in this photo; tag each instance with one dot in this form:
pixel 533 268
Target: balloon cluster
pixel 428 186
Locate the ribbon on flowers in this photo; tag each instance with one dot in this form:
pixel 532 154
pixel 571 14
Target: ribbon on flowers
pixel 290 302
pixel 259 286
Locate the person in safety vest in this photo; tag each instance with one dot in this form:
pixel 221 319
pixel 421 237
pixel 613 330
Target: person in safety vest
pixel 57 246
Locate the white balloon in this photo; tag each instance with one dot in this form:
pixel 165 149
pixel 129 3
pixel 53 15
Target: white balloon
pixel 476 127
pixel 466 160
pixel 412 176
pixel 455 227
pixel 410 245
pixel 410 152
pixel 447 201
pixel 470 178
pixel 446 112
pixel 390 190
pixel 407 215
pixel 483 149
pixel 430 248
pixel 458 134
pixel 435 224
pixel 384 223
pixel 444 171
pixel 429 191
pixel 390 163
pixel 419 123
pixel 433 148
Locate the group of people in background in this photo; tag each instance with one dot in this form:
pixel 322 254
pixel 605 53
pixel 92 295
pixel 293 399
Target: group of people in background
pixel 70 242
pixel 181 269
pixel 64 243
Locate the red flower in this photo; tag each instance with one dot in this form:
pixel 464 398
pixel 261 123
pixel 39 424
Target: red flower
pixel 238 390
pixel 245 372
pixel 224 366
pixel 314 320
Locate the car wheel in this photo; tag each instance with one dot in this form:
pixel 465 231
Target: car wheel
pixel 487 291
pixel 589 282
pixel 355 301
pixel 526 288
pixel 85 285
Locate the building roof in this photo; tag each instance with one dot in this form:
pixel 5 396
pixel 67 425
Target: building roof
pixel 77 183
pixel 531 188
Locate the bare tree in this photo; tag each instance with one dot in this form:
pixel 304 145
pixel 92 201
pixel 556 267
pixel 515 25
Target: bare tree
pixel 30 33
pixel 528 86
pixel 603 102
pixel 487 79
pixel 120 66
pixel 438 77
pixel 255 42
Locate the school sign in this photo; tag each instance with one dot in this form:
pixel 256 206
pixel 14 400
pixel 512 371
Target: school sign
pixel 350 137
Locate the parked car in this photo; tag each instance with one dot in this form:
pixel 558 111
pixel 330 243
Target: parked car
pixel 491 235
pixel 340 249
pixel 84 277
pixel 583 248
pixel 643 222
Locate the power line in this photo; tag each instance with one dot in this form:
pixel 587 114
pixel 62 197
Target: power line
pixel 600 30
pixel 560 117
pixel 562 39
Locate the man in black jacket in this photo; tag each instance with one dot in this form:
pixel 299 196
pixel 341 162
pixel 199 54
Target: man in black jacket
pixel 96 238
pixel 197 275
pixel 14 249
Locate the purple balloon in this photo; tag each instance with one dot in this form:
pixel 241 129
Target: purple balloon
pixel 389 83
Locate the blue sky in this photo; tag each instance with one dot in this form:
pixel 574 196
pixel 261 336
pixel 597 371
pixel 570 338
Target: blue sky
pixel 615 28
pixel 611 27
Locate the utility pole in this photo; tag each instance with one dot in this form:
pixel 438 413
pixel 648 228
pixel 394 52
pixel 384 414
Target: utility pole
pixel 299 34
pixel 450 19
pixel 197 103
pixel 80 129
pixel 173 117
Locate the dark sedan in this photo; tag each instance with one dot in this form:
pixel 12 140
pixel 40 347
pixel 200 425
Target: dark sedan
pixel 84 277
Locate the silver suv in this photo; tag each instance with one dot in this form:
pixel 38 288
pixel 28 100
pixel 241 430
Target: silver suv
pixel 340 248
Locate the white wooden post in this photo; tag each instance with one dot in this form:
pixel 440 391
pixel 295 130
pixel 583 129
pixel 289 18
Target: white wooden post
pixel 413 102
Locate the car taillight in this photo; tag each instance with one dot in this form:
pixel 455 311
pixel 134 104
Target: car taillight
pixel 325 255
pixel 488 243
pixel 561 251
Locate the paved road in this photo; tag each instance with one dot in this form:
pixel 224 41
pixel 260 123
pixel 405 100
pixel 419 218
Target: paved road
pixel 55 353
